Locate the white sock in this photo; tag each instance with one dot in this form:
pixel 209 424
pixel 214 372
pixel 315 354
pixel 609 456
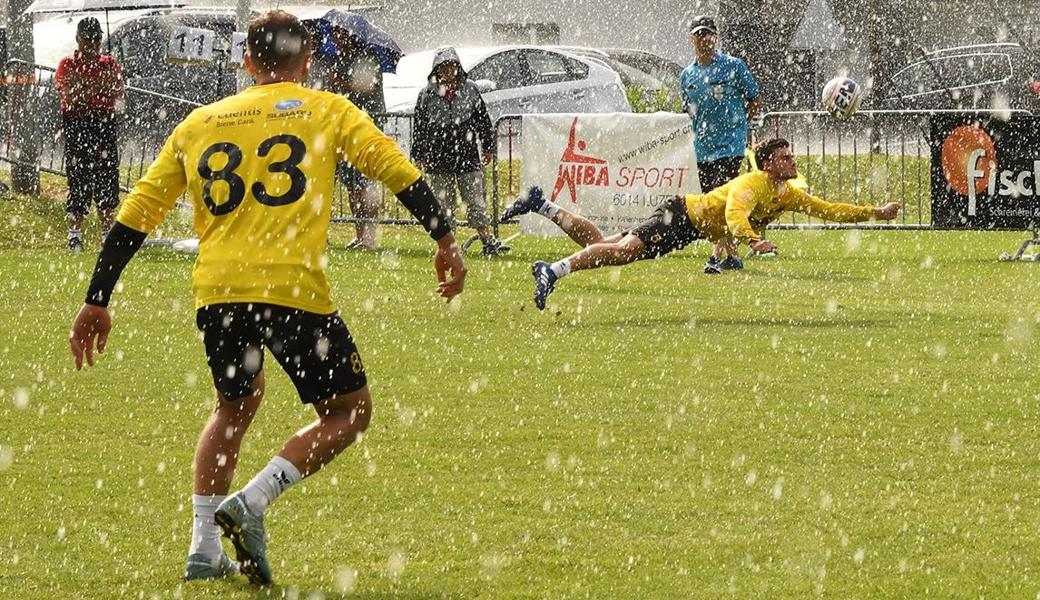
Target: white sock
pixel 205 533
pixel 548 209
pixel 561 268
pixel 75 234
pixel 275 478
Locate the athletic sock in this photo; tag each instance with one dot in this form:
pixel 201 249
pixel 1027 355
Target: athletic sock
pixel 205 533
pixel 75 234
pixel 275 478
pixel 561 268
pixel 548 209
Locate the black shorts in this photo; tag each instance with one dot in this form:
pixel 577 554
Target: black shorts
pixel 316 351
pixel 91 162
pixel 718 172
pixel 669 228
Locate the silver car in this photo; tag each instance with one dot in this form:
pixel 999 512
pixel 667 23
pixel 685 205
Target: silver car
pixel 982 76
pixel 518 80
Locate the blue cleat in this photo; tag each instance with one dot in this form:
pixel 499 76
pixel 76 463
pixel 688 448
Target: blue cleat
pixel 246 532
pixel 713 266
pixel 201 566
pixel 530 202
pixel 544 282
pixel 732 263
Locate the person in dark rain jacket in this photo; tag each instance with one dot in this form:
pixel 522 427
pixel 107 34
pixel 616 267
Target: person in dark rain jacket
pixel 453 142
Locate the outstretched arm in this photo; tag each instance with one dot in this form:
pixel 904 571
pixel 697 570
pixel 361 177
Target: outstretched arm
pixel 91 326
pixel 418 198
pixel 152 197
pixel 887 212
pixel 378 157
pixel 798 200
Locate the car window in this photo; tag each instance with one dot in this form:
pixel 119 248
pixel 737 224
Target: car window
pixel 576 68
pixel 507 69
pixel 976 70
pixel 657 67
pixel 141 51
pixel 918 78
pixel 549 67
pixel 633 76
pixel 953 72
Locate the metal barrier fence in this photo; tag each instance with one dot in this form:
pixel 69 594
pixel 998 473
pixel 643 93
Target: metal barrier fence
pixel 32 97
pixel 875 157
pixel 512 166
pixel 143 126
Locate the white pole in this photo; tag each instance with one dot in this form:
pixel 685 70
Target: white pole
pixel 242 18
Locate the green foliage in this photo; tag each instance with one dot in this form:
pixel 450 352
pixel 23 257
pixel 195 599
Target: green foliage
pixel 644 100
pixel 851 419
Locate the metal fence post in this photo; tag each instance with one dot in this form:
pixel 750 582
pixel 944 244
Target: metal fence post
pixel 25 175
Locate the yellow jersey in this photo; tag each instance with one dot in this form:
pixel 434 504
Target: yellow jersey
pixel 743 207
pixel 259 168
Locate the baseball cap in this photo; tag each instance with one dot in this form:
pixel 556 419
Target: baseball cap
pixel 703 23
pixel 89 28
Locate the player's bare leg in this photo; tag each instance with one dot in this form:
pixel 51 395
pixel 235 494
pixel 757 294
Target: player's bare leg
pixel 216 456
pixel 583 231
pixel 216 453
pixel 107 218
pixel 364 203
pixel 341 420
pixel 620 250
pixel 625 250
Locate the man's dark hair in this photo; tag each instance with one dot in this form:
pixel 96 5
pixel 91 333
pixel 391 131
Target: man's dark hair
pixel 277 41
pixel 89 29
pixel 765 150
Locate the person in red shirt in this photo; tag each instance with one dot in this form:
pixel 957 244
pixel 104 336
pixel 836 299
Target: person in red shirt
pixel 89 84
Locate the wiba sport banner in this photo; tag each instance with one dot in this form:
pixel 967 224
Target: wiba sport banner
pixel 985 172
pixel 613 169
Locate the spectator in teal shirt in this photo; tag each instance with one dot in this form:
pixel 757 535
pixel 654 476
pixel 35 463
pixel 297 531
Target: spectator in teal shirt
pixel 721 96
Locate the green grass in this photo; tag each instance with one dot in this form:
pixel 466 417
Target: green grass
pixel 854 419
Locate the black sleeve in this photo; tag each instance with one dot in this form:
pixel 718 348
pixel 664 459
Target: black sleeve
pixel 420 133
pixel 120 246
pixel 418 198
pixel 485 129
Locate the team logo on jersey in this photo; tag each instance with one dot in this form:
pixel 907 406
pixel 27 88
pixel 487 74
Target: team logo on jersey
pixel 579 169
pixel 288 104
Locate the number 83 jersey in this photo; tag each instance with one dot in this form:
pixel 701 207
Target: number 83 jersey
pixel 259 168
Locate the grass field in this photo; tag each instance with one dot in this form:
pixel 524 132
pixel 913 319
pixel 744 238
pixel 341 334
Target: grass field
pixel 854 419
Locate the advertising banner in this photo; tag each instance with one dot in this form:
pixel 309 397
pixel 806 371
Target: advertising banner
pixel 613 169
pixel 985 172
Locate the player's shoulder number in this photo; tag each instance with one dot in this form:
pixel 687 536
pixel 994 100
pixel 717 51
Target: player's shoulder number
pixel 237 187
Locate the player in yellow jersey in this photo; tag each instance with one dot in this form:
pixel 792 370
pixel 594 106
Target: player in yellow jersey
pixel 259 167
pixel 739 210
